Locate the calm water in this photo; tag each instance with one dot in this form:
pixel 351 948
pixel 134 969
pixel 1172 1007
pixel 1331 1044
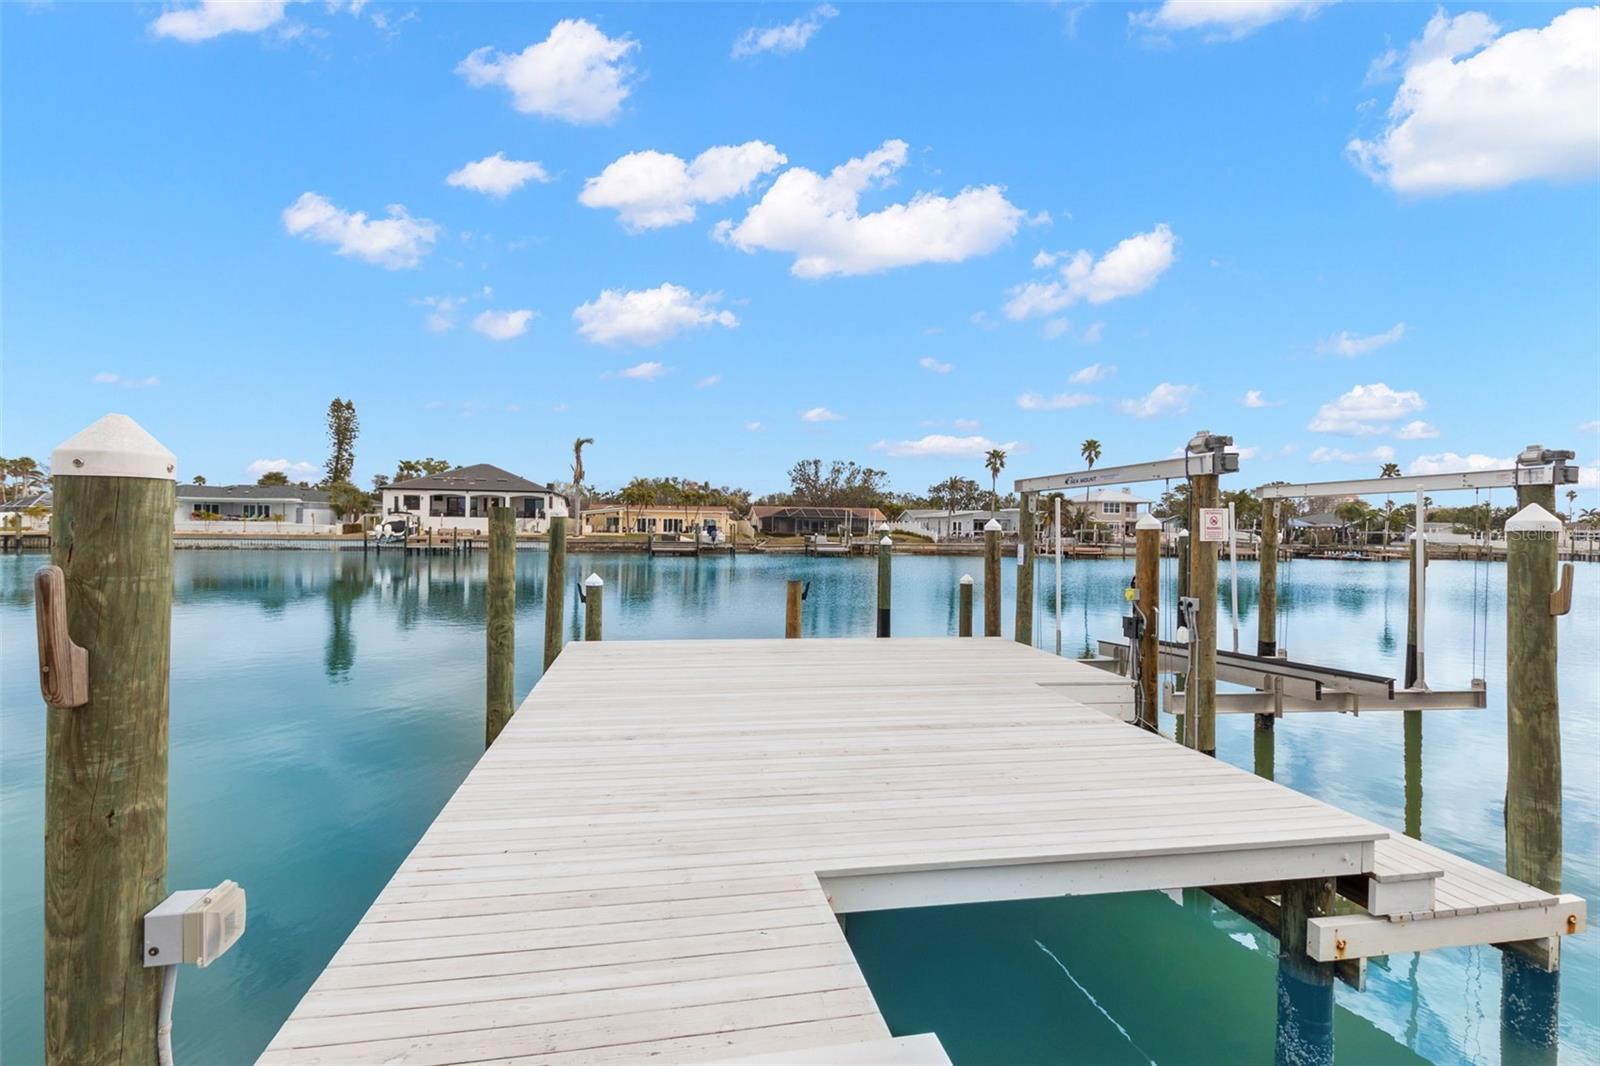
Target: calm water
pixel 325 706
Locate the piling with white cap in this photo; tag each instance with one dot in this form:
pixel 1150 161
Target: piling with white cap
pixel 1022 630
pixel 555 590
pixel 991 578
pixel 885 555
pixel 593 601
pixel 1533 718
pixel 500 614
pixel 105 848
pixel 964 607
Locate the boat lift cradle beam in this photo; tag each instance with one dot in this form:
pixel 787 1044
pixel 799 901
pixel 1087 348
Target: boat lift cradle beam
pixel 1205 454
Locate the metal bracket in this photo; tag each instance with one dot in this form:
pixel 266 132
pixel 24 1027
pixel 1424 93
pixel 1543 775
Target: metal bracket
pixel 1561 598
pixel 63 665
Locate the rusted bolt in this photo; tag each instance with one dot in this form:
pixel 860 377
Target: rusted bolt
pixel 1572 923
pixel 1339 947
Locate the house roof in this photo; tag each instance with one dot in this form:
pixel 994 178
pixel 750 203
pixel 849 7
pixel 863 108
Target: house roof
pixel 208 493
pixel 940 512
pixel 767 510
pixel 480 477
pixel 22 503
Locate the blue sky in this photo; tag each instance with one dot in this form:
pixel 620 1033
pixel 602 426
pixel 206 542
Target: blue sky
pixel 1339 232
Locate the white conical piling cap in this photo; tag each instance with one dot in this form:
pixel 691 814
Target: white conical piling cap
pixel 592 581
pixel 991 526
pixel 883 527
pixel 1533 519
pixel 886 541
pixel 966 579
pixel 1147 521
pixel 115 446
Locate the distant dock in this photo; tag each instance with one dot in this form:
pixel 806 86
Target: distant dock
pixel 640 880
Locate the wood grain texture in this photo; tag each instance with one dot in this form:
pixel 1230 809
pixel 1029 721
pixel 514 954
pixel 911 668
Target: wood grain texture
pixel 105 847
pixel 500 613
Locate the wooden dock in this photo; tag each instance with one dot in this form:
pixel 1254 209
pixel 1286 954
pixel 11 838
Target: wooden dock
pixel 657 876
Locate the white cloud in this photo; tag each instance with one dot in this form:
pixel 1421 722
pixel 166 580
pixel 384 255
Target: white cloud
pixel 648 316
pixel 1590 427
pixel 708 381
pixel 1165 399
pixel 789 37
pixel 1254 398
pixel 653 189
pixel 1092 373
pixel 394 243
pixel 928 362
pixel 1525 105
pixel 1451 463
pixel 1093 334
pixel 1044 260
pixel 577 74
pixel 943 446
pixel 108 378
pixel 299 470
pixel 819 414
pixel 818 219
pixel 495 175
pixel 752 427
pixel 1350 345
pixel 1056 327
pixel 442 319
pixel 1061 401
pixel 213 18
pixel 503 325
pixel 1366 410
pixel 966 425
pixel 1130 268
pixel 1381 454
pixel 1223 20
pixel 642 371
pixel 1418 430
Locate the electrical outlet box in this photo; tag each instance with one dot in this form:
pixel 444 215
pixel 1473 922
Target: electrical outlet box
pixel 195 926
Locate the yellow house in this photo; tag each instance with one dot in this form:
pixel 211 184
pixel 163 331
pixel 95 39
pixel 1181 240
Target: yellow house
pixel 663 520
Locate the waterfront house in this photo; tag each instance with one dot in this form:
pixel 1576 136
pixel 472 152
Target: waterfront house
pixel 957 525
pixel 461 499
pixel 287 507
pixel 1109 514
pixel 24 512
pixel 661 519
pixel 798 521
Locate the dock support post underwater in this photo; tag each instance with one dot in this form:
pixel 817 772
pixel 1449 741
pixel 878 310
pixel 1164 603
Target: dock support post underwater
pixel 964 606
pixel 1305 986
pixel 500 614
pixel 105 820
pixel 555 590
pixel 991 578
pixel 1022 632
pixel 593 602
pixel 792 609
pixel 885 581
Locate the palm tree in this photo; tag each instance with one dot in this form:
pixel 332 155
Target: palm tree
pixel 1572 504
pixel 577 482
pixel 1090 450
pixel 996 462
pixel 199 479
pixel 1389 470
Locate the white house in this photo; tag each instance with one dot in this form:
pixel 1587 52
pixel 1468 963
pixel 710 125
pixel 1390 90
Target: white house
pixel 956 525
pixel 286 507
pixel 1111 513
pixel 461 499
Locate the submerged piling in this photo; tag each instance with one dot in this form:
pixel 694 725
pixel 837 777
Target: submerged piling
pixel 105 818
pixel 555 590
pixel 991 578
pixel 500 611
pixel 1305 986
pixel 1022 631
pixel 964 607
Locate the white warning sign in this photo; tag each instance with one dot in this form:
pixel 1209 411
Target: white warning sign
pixel 1214 524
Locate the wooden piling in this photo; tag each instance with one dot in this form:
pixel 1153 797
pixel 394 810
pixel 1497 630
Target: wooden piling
pixel 1533 719
pixel 555 590
pixel 964 607
pixel 792 609
pixel 1413 774
pixel 885 557
pixel 1305 986
pixel 500 611
pixel 991 578
pixel 1413 667
pixel 1022 631
pixel 1203 577
pixel 1183 562
pixel 105 821
pixel 1267 596
pixel 593 602
pixel 1147 580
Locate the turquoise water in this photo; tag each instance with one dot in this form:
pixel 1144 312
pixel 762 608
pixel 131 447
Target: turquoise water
pixel 324 706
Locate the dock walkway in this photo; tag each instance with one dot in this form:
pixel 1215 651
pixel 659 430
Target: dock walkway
pixel 656 875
